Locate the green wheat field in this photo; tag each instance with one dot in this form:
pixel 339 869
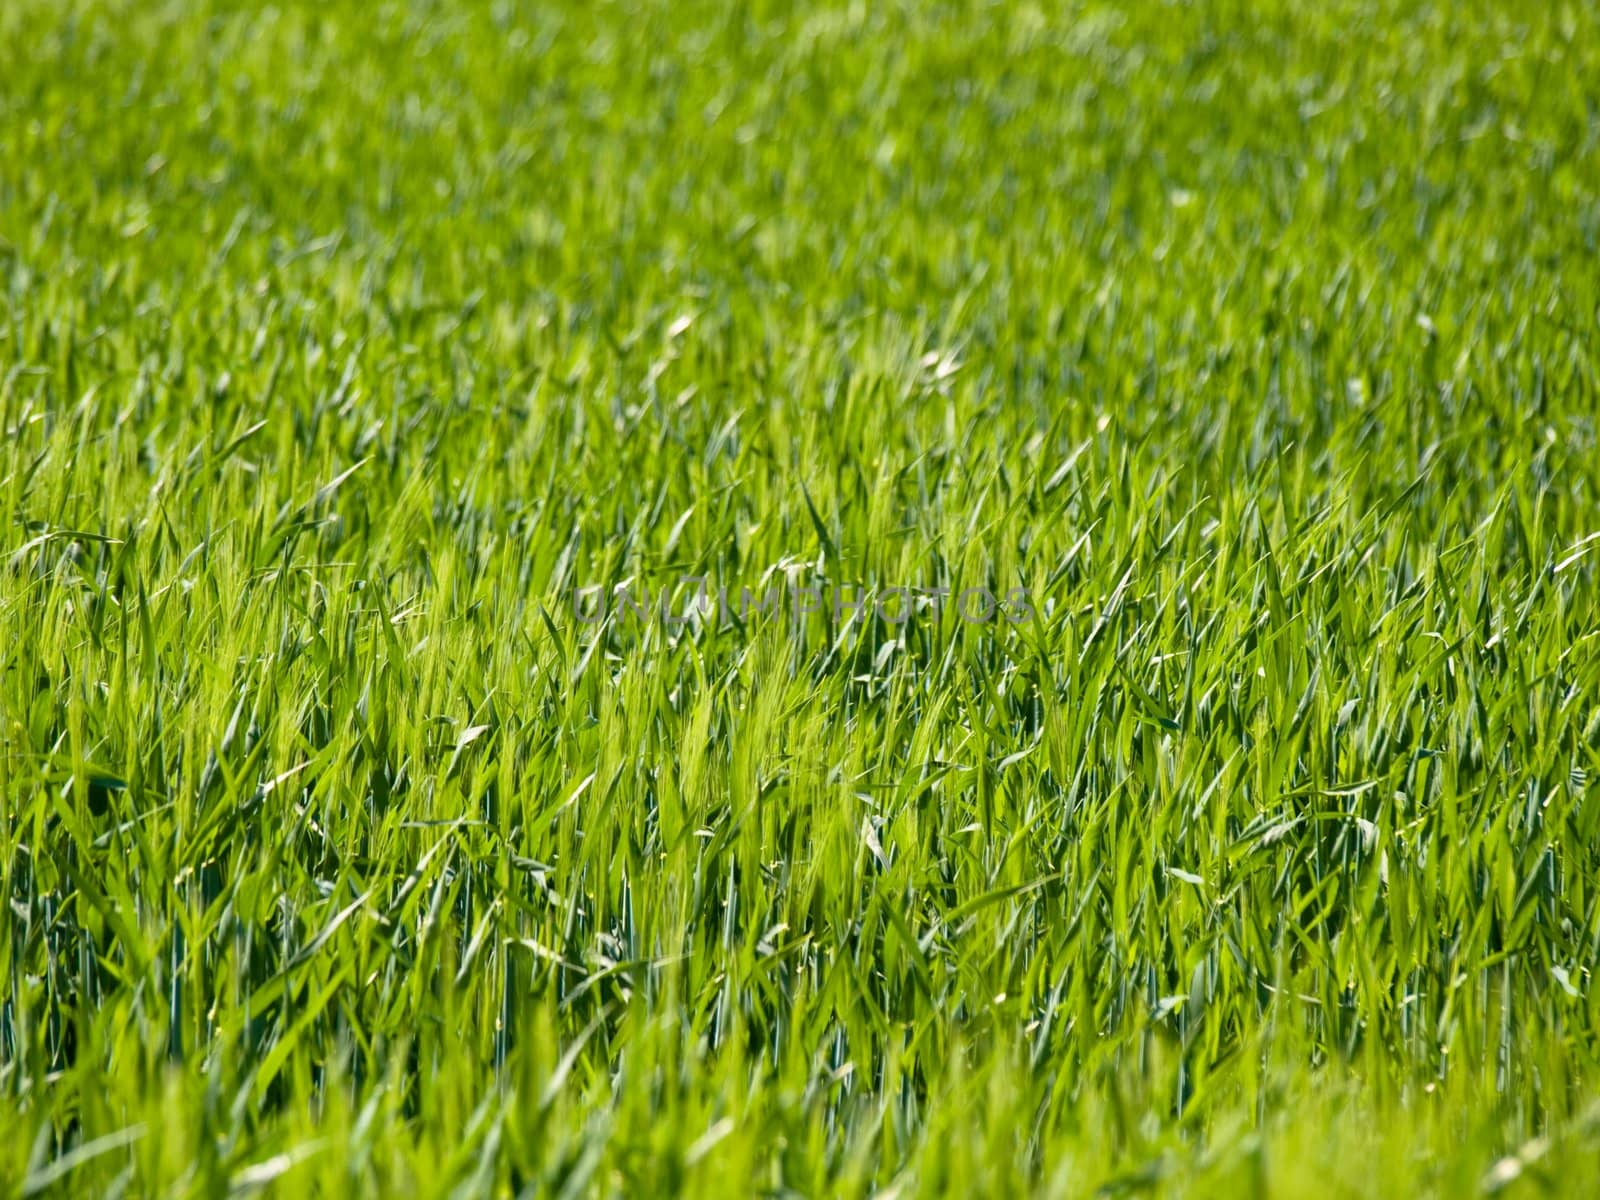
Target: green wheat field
pixel 1244 353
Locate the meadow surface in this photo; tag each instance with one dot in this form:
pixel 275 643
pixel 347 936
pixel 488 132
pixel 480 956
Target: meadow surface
pixel 1256 342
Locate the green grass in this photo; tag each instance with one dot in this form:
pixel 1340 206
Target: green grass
pixel 339 342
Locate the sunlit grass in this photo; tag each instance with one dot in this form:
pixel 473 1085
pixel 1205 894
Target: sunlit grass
pixel 340 343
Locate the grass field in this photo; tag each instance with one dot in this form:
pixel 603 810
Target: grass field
pixel 344 348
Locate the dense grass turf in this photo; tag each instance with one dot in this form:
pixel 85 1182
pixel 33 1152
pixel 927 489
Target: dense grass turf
pixel 340 342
